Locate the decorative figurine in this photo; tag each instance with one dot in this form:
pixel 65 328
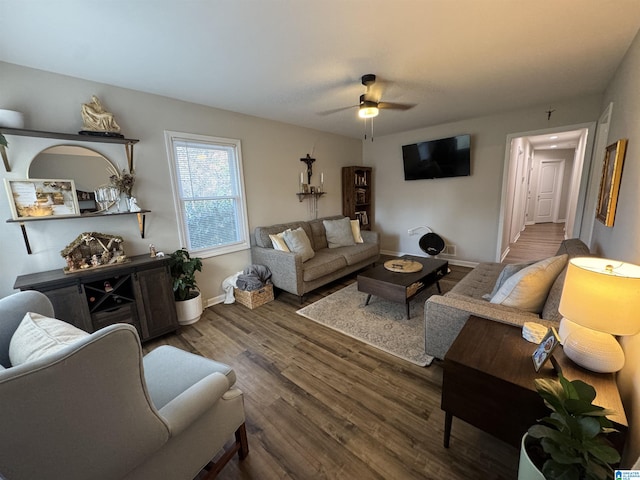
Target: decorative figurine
pixel 152 250
pixel 96 119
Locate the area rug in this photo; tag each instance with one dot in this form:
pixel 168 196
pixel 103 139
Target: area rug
pixel 381 324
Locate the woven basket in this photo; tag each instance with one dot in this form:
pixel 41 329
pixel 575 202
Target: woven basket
pixel 254 298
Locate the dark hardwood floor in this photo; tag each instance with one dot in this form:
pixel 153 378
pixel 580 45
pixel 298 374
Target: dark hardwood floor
pixel 322 405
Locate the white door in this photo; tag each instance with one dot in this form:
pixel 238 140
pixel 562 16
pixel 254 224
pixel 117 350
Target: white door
pixel 549 190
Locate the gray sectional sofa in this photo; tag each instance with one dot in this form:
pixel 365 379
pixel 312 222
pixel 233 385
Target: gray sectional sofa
pixel 292 275
pixel 445 315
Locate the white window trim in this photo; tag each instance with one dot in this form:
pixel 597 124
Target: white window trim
pixel 170 138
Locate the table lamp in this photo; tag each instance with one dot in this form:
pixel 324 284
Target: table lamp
pixel 600 299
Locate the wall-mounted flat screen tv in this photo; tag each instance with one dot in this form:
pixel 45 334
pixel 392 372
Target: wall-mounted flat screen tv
pixel 445 157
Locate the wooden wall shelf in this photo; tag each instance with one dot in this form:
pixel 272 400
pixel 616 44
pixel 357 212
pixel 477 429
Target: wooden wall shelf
pixel 302 196
pixel 127 142
pixel 140 215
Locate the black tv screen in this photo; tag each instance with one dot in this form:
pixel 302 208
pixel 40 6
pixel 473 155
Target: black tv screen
pixel 446 157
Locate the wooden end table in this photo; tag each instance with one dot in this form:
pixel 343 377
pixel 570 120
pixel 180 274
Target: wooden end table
pixel 489 377
pixel 402 287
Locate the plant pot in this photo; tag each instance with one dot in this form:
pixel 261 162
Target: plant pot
pixel 526 468
pixel 190 310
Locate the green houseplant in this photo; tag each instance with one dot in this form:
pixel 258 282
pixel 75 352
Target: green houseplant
pixel 3 141
pixel 570 444
pixel 188 300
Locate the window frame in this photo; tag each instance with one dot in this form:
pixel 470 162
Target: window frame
pixel 243 224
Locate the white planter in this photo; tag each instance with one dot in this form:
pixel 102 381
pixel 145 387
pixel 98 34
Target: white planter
pixel 526 469
pixel 190 310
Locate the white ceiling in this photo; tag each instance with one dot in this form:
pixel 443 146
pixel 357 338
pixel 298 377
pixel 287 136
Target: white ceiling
pixel 291 60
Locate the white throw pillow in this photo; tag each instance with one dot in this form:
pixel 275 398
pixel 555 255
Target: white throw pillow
pixel 339 233
pixel 298 242
pixel 355 230
pixel 37 336
pixel 506 272
pixel 528 289
pixel 277 240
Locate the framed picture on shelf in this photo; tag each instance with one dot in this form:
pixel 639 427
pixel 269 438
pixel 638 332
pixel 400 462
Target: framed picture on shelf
pixel 37 198
pixel 548 344
pixel 610 182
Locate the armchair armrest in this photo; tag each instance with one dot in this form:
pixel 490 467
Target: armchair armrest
pixel 187 407
pixel 444 317
pixel 286 267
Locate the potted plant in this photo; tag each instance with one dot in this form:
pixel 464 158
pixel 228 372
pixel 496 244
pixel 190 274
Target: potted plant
pixel 185 289
pixel 570 443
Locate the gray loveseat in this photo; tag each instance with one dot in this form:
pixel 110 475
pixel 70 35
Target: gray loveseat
pixel 445 315
pixel 292 275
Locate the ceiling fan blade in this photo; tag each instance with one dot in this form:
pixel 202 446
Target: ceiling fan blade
pixel 336 110
pixel 395 106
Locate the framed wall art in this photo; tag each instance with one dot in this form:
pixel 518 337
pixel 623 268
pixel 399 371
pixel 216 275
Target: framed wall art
pixel 610 182
pixel 38 198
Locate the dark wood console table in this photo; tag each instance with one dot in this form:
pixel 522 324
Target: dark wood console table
pixel 489 382
pixel 138 292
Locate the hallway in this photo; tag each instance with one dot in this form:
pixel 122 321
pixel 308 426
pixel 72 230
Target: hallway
pixel 536 241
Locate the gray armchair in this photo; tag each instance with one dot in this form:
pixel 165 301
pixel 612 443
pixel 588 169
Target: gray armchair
pixel 98 409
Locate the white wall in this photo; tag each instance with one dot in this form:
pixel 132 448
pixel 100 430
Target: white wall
pixel 272 167
pixel 622 241
pixel 464 210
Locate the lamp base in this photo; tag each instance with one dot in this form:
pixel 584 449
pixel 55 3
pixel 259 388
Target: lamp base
pixel 596 351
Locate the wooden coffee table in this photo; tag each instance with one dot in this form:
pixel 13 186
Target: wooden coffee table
pixel 402 287
pixel 489 378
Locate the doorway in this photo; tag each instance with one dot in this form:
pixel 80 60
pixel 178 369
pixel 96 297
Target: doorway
pixel 546 175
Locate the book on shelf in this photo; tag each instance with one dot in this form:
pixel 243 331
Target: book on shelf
pixel 362 217
pixel 360 180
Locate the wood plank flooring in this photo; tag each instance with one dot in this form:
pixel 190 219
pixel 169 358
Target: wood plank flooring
pixel 322 405
pixel 536 242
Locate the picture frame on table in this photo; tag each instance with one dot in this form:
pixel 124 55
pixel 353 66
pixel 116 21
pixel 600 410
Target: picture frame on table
pixel 610 182
pixel 38 198
pixel 548 344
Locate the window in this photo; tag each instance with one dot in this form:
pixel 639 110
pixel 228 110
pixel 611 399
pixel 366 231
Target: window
pixel 208 191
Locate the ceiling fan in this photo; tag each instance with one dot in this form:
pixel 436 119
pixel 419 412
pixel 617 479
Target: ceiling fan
pixel 370 104
pixel 369 107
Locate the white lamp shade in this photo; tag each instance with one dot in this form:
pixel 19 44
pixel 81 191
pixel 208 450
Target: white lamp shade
pixel 602 294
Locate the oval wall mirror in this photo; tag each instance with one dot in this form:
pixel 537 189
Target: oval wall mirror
pixel 88 168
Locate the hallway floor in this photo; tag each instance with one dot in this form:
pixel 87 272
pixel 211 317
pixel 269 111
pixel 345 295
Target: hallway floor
pixel 536 242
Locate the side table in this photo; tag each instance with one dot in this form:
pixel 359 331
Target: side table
pixel 489 378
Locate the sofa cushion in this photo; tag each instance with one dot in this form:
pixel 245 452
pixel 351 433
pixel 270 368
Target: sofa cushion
pixel 506 272
pixel 318 232
pixel 261 234
pixel 299 243
pixel 339 233
pixel 37 336
pixel 357 253
pixel 323 263
pixel 277 240
pixel 478 281
pixel 528 289
pixel 355 230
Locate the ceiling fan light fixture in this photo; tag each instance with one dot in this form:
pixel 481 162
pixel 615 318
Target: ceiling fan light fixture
pixel 368 109
pixel 368 112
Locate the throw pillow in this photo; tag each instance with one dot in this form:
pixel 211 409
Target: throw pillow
pixel 355 229
pixel 37 336
pixel 277 240
pixel 298 242
pixel 506 272
pixel 339 233
pixel 528 289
